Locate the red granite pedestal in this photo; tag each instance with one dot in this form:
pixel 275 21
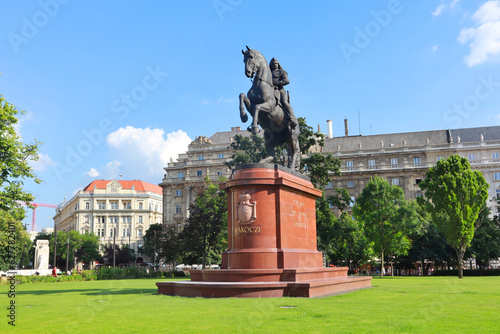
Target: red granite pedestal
pixel 272 248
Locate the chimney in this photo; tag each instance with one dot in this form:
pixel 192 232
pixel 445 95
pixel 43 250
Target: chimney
pixel 330 128
pixel 346 127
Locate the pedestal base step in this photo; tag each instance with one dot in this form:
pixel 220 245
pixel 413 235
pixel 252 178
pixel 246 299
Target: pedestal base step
pixel 312 288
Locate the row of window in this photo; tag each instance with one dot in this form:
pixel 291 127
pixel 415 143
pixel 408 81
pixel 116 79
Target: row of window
pixel 180 175
pixel 417 160
pixel 220 156
pixel 114 219
pixel 101 205
pixel 101 232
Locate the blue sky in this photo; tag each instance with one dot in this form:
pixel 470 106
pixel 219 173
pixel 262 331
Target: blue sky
pixel 121 87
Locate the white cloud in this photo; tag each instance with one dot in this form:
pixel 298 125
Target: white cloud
pixel 219 100
pixel 485 37
pixel 439 10
pixel 144 152
pixel 43 162
pixel 92 172
pixel 443 6
pixel 21 119
pixel 434 48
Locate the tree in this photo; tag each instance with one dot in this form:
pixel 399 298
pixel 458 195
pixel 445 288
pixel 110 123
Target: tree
pixel 14 169
pixel 82 247
pixel 341 239
pixel 486 243
pixel 170 248
pixel 247 150
pixel 455 195
pixel 152 241
pixel 88 249
pixel 202 237
pixel 14 239
pixel 387 218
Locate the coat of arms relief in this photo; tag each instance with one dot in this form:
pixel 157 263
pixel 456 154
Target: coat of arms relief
pixel 246 212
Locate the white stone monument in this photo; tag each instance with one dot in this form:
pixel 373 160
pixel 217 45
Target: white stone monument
pixel 42 255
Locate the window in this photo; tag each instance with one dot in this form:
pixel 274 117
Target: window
pixel 201 157
pixel 111 232
pixel 495 155
pixel 123 233
pixel 472 157
pixel 98 232
pixel 420 195
pixel 350 184
pixel 352 202
pixel 416 161
pixel 497 176
pixel 126 219
pixel 180 175
pixel 113 219
pixel 395 182
pixel 417 181
pixel 101 205
pixel 87 205
pixel 103 232
pixel 199 173
pixel 128 232
pixel 440 157
pixel 101 219
pixel 178 209
pixel 140 205
pixel 220 155
pixel 371 163
pixel 219 173
pixel 498 193
pixel 178 193
pixel 394 162
pixel 139 233
pixel 114 205
pixel 349 164
pixel 127 205
pixel 330 185
pixel 140 220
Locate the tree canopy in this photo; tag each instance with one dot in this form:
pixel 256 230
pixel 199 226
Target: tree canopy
pixel 455 195
pixel 387 218
pixel 14 169
pixel 204 235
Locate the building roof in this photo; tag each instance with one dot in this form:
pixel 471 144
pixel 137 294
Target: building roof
pixel 224 137
pixel 126 184
pixel 474 134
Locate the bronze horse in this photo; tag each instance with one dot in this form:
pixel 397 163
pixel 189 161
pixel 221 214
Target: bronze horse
pixel 266 110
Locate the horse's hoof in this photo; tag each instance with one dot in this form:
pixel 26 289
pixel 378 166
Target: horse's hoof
pixel 244 118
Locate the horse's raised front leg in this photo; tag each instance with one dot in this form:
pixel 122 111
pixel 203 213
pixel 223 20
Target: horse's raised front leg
pixel 244 101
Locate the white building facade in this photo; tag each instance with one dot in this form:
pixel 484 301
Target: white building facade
pixel 109 208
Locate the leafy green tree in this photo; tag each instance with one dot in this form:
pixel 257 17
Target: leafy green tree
pixel 152 241
pixel 455 195
pixel 14 240
pixel 14 159
pixel 246 150
pixel 387 218
pixel 201 237
pixel 14 169
pixel 88 249
pixel 170 246
pixel 486 243
pixel 341 239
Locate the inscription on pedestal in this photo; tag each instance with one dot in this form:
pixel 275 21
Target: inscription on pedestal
pixel 252 229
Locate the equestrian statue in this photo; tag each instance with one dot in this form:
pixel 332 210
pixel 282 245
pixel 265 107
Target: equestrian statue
pixel 269 105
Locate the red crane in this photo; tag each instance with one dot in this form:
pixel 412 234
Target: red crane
pixel 36 205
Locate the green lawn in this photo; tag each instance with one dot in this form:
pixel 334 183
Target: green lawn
pixel 393 305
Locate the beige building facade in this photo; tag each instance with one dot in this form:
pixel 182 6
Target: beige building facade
pixel 400 158
pixel 122 209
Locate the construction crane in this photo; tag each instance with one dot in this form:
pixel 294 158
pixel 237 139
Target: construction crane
pixel 36 205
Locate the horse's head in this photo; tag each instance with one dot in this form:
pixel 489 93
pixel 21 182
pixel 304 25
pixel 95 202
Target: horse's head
pixel 251 60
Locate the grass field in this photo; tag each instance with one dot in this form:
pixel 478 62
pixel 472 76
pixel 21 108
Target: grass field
pixel 392 305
